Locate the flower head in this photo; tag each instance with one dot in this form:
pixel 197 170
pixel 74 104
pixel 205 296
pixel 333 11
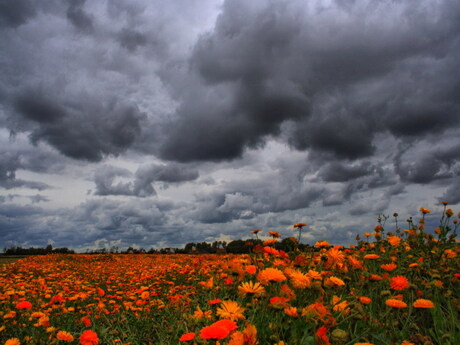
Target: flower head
pixel 230 310
pixel 218 330
pixel 24 305
pixel 89 337
pixel 187 336
pixel 399 283
pixel 270 274
pixel 64 336
pixel 252 289
pixel 13 341
pixel 423 303
pixel 395 303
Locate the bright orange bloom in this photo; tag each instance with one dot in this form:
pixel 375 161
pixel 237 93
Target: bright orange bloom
pixel 269 242
pixel 394 240
pixel 237 338
pixel 365 300
pixel 334 258
pixel 251 269
pixel 363 344
pixel 218 330
pixel 334 281
pixel 321 244
pixel 395 303
pixel 251 289
pixel 256 231
pixel 423 303
pixel 389 267
pixel 187 336
pixel 64 336
pixel 318 310
pixel 292 311
pixel 424 210
pixel 24 305
pixel 299 225
pixel 399 283
pixel 299 280
pixel 270 274
pixel 274 234
pixel 200 314
pixel 230 310
pixel 405 342
pixel 13 341
pixel 371 256
pixel 89 337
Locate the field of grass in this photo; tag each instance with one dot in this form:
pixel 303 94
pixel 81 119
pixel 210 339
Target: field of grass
pixel 398 286
pixel 8 259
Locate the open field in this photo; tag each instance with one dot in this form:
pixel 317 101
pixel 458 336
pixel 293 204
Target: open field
pixel 397 288
pixel 8 259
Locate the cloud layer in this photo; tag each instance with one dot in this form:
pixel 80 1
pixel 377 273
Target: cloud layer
pixel 153 119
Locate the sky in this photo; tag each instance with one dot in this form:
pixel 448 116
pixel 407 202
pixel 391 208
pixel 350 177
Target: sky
pixel 158 123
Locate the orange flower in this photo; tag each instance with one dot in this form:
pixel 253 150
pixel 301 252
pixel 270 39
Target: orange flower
pixel 334 281
pixel 299 280
pixel 318 310
pixel 251 269
pixel 89 337
pixel 64 336
pixel 389 267
pixel 274 234
pixel 24 305
pixel 269 242
pixel 270 274
pixel 299 225
pixel 399 283
pixel 256 231
pixel 322 244
pixel 187 336
pixel 13 341
pixel 251 289
pixel 237 338
pixel 395 303
pixel 423 303
pixel 218 330
pixel 371 256
pixel 405 342
pixel 365 300
pixel 292 311
pixel 230 310
pixel 394 240
pixel 424 210
pixel 363 344
pixel 199 314
pixel 334 258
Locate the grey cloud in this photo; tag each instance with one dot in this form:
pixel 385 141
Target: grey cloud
pixel 9 164
pixel 16 13
pixel 131 39
pixel 82 130
pixel 145 176
pixel 340 82
pixel 78 17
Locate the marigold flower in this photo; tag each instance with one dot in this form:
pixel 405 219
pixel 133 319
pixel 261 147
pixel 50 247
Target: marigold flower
pixel 336 281
pixel 322 244
pixel 395 303
pixel 389 267
pixel 256 231
pixel 274 234
pixel 64 336
pixel 371 256
pixel 251 269
pixel 89 337
pixel 394 240
pixel 269 242
pixel 24 305
pixel 237 338
pixel 424 210
pixel 291 311
pixel 187 336
pixel 449 212
pixel 199 314
pixel 270 274
pixel 13 341
pixel 300 280
pixel 214 301
pixel 318 310
pixel 363 344
pixel 230 310
pixel 423 303
pixel 251 289
pixel 218 330
pixel 405 342
pixel 399 283
pixel 365 300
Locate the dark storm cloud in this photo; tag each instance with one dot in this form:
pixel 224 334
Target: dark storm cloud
pixel 78 17
pixel 339 74
pixel 432 164
pixel 15 13
pixel 88 130
pixel 9 164
pixel 131 39
pixel 145 176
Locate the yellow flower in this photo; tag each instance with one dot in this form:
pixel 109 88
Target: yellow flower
pixel 230 310
pixel 252 289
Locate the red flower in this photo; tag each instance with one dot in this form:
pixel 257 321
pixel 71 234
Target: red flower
pixel 89 337
pixel 322 337
pixel 218 330
pixel 187 336
pixel 24 305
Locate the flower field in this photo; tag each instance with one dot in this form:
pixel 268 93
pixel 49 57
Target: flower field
pixel 396 286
